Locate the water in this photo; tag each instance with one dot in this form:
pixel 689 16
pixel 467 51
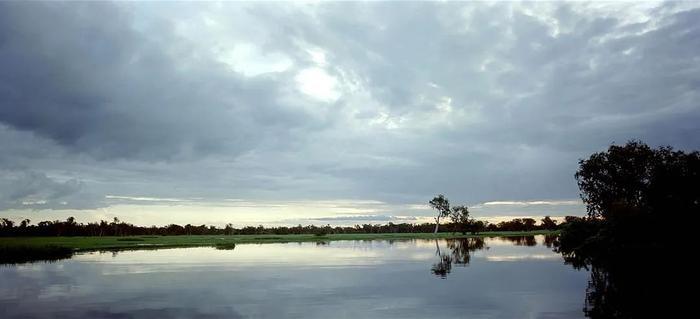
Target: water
pixel 495 278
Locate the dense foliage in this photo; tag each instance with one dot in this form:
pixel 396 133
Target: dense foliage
pixel 631 192
pixel 641 180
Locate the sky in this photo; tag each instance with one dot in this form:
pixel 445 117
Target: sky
pixel 330 113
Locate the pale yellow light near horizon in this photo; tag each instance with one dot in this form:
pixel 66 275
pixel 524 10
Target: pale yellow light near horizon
pixel 146 211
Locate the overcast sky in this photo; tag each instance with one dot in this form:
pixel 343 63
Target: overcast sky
pixel 336 113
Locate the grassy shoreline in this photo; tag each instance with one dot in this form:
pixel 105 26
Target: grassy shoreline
pixel 81 244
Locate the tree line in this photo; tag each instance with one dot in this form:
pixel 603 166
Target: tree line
pixel 116 227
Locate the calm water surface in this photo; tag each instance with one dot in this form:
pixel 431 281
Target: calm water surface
pixel 492 278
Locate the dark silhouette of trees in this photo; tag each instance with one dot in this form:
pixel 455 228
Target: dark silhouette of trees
pixel 631 192
pixel 477 226
pixel 643 180
pixel 6 223
pixel 461 222
pixel 460 218
pixel 529 224
pixel 516 224
pixel 548 223
pixel 117 227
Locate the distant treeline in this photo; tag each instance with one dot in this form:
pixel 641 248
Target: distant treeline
pixel 119 228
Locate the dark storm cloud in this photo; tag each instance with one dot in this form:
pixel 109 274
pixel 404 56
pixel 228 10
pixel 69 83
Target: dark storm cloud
pixel 361 101
pixel 83 76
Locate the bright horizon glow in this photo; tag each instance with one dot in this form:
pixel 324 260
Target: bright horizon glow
pixel 239 212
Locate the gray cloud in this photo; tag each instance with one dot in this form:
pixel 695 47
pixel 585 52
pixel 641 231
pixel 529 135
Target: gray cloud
pixel 34 190
pixel 86 79
pixel 357 101
pixel 359 218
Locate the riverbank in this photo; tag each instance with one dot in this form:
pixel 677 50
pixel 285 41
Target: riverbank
pixel 145 242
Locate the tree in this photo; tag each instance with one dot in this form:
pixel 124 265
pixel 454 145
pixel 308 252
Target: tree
pixel 460 218
pixel 529 223
pixel 442 205
pixel 630 192
pixel 477 226
pixel 548 223
pixel 115 225
pixel 635 178
pixel 6 223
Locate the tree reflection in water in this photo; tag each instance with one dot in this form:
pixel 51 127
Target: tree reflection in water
pixel 550 240
pixel 622 284
pixel 460 254
pixel 627 286
pixel 528 241
pixel 627 282
pixel 444 264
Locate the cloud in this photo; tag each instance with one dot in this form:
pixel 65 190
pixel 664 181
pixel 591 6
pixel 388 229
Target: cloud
pixel 107 90
pixel 484 102
pixel 504 210
pixel 146 199
pixel 365 218
pixel 534 202
pixel 35 190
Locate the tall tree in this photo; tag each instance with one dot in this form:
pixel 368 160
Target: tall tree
pixel 442 205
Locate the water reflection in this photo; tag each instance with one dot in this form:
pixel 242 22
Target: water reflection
pixel 522 240
pixel 460 250
pixel 628 285
pixel 550 240
pixel 444 264
pixel 378 279
pixel 28 254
